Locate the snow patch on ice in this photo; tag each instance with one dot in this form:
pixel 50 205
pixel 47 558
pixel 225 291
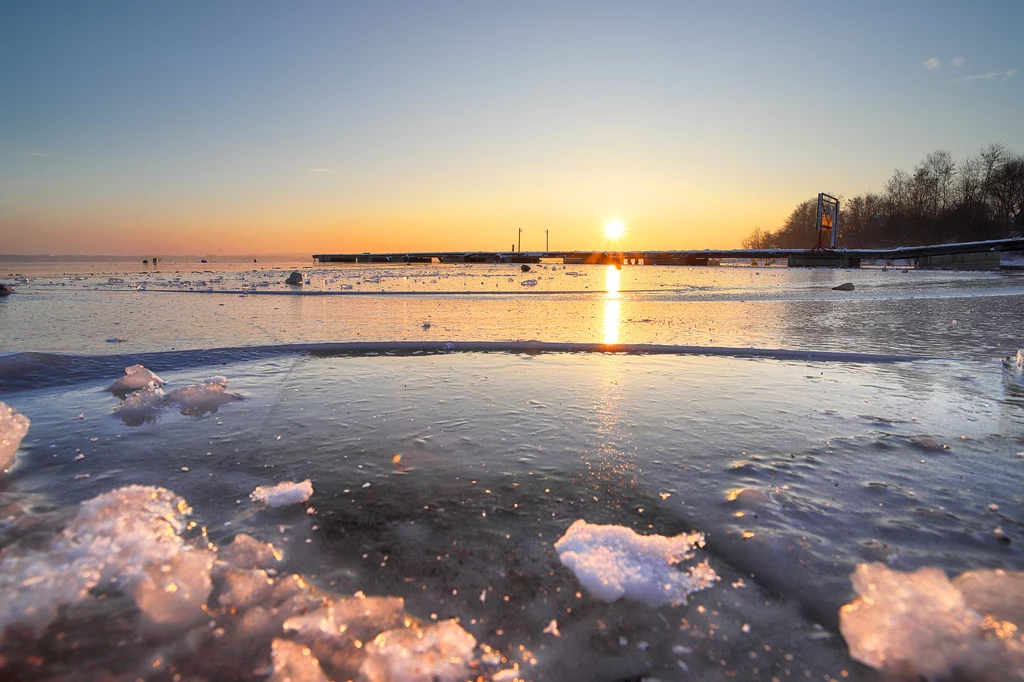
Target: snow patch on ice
pixel 922 625
pixel 13 427
pixel 283 494
pixel 614 562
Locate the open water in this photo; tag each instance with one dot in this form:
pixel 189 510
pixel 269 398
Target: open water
pixel 455 420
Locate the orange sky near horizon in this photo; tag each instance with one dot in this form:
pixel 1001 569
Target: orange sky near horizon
pixel 262 127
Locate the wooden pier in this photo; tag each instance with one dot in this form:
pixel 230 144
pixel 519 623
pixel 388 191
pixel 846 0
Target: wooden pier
pixel 963 256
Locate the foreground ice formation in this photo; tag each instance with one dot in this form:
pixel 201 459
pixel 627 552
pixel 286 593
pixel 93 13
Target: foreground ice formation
pixel 922 625
pixel 283 494
pixel 136 377
pixel 126 540
pixel 614 561
pixel 130 570
pixel 13 427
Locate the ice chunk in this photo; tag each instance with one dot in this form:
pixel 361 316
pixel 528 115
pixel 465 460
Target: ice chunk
pixel 136 377
pixel 294 663
pixel 360 617
pixel 922 625
pixel 243 586
pixel 613 562
pixel 113 540
pixel 204 398
pixel 245 551
pixel 142 406
pixel 13 427
pixel 171 594
pixel 283 494
pixel 435 653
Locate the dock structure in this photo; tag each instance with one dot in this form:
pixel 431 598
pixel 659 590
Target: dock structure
pixel 983 255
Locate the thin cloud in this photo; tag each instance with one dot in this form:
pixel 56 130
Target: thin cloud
pixel 1005 75
pixel 38 155
pixel 932 63
pixel 957 62
pixel 323 170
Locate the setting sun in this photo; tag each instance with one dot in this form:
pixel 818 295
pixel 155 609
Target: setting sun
pixel 614 229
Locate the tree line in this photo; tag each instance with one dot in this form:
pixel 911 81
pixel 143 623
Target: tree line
pixel 940 201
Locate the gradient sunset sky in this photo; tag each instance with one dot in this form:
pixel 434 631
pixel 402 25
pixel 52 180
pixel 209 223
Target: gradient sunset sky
pixel 252 127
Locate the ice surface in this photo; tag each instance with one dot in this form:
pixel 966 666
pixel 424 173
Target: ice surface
pixel 136 377
pixel 614 562
pixel 435 653
pixel 922 625
pixel 13 427
pixel 283 494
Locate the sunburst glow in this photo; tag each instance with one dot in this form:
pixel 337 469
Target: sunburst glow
pixel 614 229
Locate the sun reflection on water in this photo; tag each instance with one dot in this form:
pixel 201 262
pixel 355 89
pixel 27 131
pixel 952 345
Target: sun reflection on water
pixel 612 305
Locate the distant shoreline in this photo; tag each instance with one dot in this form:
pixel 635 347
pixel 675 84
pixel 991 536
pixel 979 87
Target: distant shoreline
pixel 218 258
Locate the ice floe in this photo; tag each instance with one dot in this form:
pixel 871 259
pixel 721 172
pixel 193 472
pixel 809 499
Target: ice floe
pixel 13 427
pixel 923 625
pixel 283 494
pixel 614 562
pixel 136 377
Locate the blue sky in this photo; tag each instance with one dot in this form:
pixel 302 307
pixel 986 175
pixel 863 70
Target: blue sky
pixel 327 126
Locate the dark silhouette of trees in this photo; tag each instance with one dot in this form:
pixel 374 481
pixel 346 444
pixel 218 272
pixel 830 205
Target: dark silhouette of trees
pixel 940 201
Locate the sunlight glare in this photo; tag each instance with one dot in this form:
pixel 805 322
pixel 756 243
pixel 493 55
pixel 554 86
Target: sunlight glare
pixel 612 305
pixel 614 229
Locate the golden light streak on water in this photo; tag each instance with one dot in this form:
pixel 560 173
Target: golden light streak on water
pixel 612 305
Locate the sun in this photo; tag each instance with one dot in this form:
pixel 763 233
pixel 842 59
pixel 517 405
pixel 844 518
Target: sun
pixel 614 229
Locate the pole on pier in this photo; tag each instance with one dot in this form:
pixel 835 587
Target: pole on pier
pixel 547 245
pixel 520 248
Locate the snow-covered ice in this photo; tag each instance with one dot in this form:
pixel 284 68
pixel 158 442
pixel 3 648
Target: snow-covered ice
pixel 922 625
pixel 614 562
pixel 283 494
pixel 13 427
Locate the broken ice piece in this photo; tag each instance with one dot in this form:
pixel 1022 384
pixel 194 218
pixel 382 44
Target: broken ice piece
pixel 200 399
pixel 434 653
pixel 136 377
pixel 294 663
pixel 922 625
pixel 614 561
pixel 13 427
pixel 283 494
